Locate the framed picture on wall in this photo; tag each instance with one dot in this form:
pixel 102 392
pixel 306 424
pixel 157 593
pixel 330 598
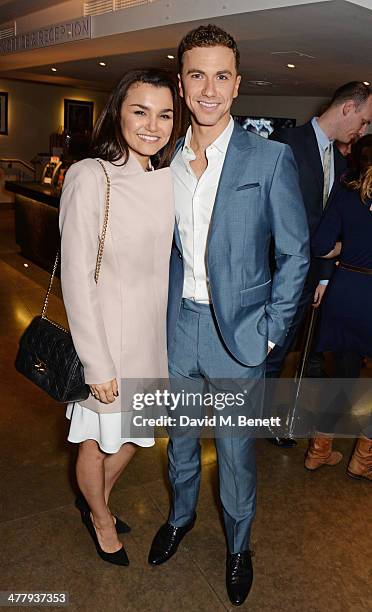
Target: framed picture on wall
pixel 78 116
pixel 264 126
pixel 3 112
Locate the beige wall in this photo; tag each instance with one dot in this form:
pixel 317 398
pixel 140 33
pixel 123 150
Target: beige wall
pixel 35 111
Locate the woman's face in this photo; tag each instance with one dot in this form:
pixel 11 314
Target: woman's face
pixel 146 119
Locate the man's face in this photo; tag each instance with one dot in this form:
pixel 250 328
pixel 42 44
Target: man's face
pixel 355 120
pixel 209 83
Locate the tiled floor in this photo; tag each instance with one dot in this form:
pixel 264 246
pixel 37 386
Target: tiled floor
pixel 312 537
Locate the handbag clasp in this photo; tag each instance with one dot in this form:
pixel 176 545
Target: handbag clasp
pixel 40 366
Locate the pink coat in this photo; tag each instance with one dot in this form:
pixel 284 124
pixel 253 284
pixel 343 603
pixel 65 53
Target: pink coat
pixel 119 325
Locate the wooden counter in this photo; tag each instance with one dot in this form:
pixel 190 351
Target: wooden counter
pixel 36 221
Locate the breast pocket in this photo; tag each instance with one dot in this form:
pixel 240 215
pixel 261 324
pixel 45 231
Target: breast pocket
pixel 248 186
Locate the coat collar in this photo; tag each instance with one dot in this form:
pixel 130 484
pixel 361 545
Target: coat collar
pixel 241 141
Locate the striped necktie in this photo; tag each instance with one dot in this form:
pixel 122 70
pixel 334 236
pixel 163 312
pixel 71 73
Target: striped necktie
pixel 326 172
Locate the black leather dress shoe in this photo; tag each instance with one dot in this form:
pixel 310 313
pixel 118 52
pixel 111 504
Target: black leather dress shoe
pixel 166 542
pixel 239 576
pixel 282 442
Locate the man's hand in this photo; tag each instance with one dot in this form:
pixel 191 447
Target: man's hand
pixel 105 392
pixel 318 295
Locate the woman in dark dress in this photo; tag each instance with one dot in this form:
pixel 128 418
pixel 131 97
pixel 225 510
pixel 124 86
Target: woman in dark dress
pixel 345 328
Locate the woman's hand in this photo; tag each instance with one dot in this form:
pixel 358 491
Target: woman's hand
pixel 335 251
pixel 105 392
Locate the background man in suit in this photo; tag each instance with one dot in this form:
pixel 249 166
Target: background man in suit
pixel 320 166
pixel 233 192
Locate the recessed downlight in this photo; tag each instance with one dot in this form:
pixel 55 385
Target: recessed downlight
pixel 291 66
pixel 260 83
pixel 54 69
pixel 366 83
pixel 102 64
pixel 170 56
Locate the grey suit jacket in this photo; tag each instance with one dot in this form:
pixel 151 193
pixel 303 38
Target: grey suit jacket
pixel 258 198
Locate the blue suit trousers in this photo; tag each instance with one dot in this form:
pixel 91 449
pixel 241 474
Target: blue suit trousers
pixel 198 357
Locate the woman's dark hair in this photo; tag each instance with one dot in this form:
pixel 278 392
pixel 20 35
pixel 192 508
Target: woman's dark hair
pixel 108 142
pixel 357 152
pixel 363 185
pixel 359 178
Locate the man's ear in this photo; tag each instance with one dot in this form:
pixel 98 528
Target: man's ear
pixel 236 87
pixel 348 107
pixel 180 88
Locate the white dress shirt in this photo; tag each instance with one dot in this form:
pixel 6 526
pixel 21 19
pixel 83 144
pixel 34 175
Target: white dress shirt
pixel 194 201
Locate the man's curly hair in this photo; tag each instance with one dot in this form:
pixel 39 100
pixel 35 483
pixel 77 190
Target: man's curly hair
pixel 207 36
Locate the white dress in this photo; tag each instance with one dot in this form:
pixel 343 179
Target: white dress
pixel 105 429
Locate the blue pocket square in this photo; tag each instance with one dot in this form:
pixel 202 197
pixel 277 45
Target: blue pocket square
pixel 247 186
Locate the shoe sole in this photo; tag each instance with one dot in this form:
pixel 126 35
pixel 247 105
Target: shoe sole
pixel 357 477
pixel 320 466
pixel 282 445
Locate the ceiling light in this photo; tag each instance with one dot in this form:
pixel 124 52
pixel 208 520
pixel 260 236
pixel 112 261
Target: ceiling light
pixel 170 56
pixel 54 69
pixel 366 82
pixel 291 66
pixel 299 53
pixel 260 83
pixel 102 63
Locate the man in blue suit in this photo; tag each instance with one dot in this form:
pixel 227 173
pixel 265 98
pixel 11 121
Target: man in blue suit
pixel 234 192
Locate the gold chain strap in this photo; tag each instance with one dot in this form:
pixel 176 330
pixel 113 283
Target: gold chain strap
pixel 101 238
pixel 101 245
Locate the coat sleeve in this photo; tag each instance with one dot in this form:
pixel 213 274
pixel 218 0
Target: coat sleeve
pixel 290 233
pixel 79 226
pixel 328 230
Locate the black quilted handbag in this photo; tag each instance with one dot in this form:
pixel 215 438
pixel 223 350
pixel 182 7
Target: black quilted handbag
pixel 46 353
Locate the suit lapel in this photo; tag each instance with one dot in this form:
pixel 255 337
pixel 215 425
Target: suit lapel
pixel 340 166
pixel 314 155
pixel 240 142
pixel 177 238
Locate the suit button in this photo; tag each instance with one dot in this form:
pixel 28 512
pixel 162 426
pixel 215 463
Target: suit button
pixel 179 255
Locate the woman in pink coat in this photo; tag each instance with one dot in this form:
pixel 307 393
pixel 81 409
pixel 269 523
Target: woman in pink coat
pixel 118 324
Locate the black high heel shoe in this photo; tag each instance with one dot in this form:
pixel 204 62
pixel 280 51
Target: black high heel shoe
pixel 119 557
pixel 82 505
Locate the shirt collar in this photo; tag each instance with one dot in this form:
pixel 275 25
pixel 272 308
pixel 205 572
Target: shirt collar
pixel 221 143
pixel 322 138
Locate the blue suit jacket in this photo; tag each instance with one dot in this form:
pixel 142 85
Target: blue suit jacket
pixel 258 198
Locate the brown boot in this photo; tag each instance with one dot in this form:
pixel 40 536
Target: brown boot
pixel 320 453
pixel 360 464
